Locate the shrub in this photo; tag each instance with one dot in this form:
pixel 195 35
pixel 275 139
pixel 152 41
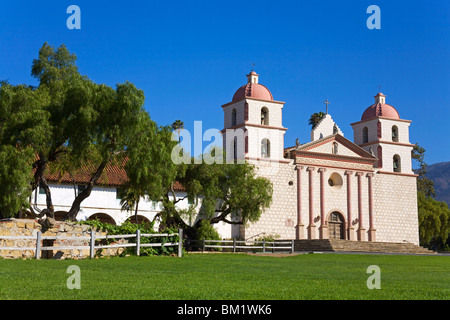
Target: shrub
pixel 207 231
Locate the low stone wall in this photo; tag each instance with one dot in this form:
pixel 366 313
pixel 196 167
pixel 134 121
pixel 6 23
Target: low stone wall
pixel 29 227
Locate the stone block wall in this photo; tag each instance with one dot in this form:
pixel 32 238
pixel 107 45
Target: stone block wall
pixel 61 230
pixel 280 219
pixel 395 206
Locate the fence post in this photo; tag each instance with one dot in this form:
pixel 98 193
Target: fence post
pixel 203 244
pixel 234 245
pixel 180 243
pixel 38 245
pixel 292 244
pixel 138 242
pixel 264 245
pixel 92 244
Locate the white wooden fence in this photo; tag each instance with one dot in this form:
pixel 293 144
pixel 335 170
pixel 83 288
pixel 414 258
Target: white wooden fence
pixel 92 238
pixel 265 246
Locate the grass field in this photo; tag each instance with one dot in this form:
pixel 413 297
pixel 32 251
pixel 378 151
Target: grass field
pixel 229 276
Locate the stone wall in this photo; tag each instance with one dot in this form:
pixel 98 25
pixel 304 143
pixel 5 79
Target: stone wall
pixel 280 219
pixel 61 230
pixel 395 207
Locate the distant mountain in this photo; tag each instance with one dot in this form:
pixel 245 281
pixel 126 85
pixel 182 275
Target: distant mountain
pixel 439 173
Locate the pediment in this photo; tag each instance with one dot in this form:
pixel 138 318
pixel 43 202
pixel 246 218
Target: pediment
pixel 334 146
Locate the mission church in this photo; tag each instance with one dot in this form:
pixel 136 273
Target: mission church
pixel 328 188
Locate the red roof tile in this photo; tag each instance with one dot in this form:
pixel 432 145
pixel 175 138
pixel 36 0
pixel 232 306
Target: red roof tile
pixel 113 175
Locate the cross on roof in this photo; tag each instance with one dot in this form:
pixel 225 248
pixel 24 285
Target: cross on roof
pixel 326 103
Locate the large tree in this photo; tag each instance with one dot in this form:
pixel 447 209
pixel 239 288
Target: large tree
pixel 68 122
pixel 24 132
pixel 37 118
pixel 220 192
pixel 434 221
pixel 434 216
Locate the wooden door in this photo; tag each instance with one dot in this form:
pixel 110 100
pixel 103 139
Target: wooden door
pixel 336 226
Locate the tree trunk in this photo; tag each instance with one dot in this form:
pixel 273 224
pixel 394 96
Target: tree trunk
pixel 73 212
pixel 136 211
pixel 40 181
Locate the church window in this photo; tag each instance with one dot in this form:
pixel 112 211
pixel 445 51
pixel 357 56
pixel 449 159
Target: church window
pixel 365 135
pixel 334 150
pixel 335 181
pixel 380 156
pixel 233 117
pixel 265 148
pixel 379 130
pixel 395 134
pixel 396 163
pixel 265 116
pixel 235 148
pixel 246 144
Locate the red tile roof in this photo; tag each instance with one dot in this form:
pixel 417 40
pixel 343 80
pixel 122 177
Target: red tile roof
pixel 113 175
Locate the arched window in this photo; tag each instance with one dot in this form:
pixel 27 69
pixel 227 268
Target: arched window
pixel 265 116
pixel 379 130
pixel 380 156
pixel 233 117
pixel 334 149
pixel 365 135
pixel 396 163
pixel 235 149
pixel 394 133
pixel 265 148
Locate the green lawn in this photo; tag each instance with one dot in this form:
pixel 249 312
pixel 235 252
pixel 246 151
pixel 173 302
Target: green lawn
pixel 230 276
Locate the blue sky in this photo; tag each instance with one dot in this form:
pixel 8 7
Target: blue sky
pixel 190 57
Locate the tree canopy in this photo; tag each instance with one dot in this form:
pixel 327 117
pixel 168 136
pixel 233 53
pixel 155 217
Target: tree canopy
pixel 230 193
pixel 69 121
pixel 434 216
pixel 315 119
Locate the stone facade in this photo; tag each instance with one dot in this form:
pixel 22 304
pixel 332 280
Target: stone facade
pixel 280 219
pixel 396 208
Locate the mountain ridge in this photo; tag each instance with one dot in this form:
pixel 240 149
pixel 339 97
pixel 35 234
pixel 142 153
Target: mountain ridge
pixel 439 173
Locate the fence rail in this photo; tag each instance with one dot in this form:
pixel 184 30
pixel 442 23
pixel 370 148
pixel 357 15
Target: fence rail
pixel 251 245
pixel 92 238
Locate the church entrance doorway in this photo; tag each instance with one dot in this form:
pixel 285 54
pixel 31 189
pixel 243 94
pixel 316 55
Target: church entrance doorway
pixel 336 226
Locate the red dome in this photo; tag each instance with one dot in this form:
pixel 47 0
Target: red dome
pixel 252 89
pixel 380 109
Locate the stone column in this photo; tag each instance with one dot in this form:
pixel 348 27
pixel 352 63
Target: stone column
pixel 350 229
pixel 323 229
pixel 360 231
pixel 311 227
pixel 300 231
pixel 372 230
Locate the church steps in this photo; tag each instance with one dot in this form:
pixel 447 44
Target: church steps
pixel 334 245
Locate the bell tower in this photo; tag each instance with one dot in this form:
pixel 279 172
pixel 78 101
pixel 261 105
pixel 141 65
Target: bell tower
pixel 382 133
pixel 253 127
